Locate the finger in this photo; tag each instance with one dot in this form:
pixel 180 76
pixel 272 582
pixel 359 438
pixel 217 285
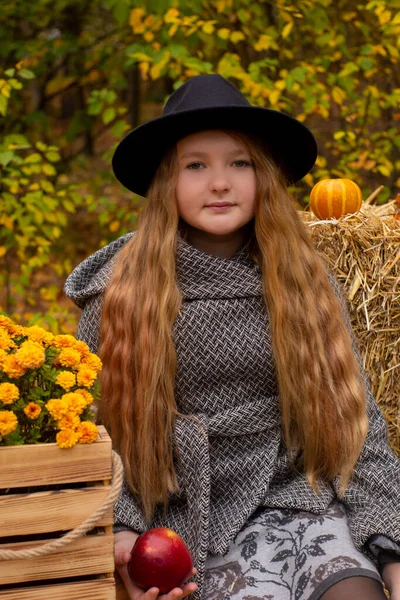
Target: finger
pixel 121 558
pixel 152 594
pixel 189 589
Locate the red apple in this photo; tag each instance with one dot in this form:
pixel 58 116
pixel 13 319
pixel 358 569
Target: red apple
pixel 160 558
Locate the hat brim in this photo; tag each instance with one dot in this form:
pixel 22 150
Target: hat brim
pixel 139 153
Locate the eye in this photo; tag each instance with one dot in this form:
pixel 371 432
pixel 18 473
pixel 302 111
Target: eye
pixel 242 163
pixel 195 166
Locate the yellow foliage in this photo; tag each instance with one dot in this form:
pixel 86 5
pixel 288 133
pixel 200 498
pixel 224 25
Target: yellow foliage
pixel 173 29
pixel 208 27
pixel 274 96
pixel 237 36
pixel 223 33
pixel 135 20
pixel 287 29
pixel 171 15
pixel 338 95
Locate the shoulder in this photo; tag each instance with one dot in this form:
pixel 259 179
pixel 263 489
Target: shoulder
pixel 90 277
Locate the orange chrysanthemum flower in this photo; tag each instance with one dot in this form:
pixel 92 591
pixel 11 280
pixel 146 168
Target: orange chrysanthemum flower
pixel 63 341
pixel 38 334
pixel 86 377
pixel 76 402
pixel 69 421
pixel 87 432
pixel 11 327
pixel 69 357
pixel 57 408
pixel 83 348
pixel 8 422
pixel 66 380
pixel 12 367
pixel 3 355
pixel 92 362
pixel 33 410
pixel 6 342
pixel 30 355
pixel 87 395
pixel 67 438
pixel 9 393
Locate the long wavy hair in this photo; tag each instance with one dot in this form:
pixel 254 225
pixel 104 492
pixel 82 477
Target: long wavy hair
pixel 321 390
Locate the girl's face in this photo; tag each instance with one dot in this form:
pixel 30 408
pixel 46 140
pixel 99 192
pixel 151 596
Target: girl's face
pixel 216 186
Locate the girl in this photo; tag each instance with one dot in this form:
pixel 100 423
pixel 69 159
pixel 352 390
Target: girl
pixel 232 386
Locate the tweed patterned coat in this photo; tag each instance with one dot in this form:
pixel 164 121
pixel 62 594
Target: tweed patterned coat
pixel 231 456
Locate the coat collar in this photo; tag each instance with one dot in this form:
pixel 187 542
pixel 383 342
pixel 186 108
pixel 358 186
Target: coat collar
pixel 203 276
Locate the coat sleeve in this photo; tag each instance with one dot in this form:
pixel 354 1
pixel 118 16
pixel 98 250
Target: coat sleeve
pixel 372 498
pixel 127 512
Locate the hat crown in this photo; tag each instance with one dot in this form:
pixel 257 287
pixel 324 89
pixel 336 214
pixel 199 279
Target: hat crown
pixel 204 91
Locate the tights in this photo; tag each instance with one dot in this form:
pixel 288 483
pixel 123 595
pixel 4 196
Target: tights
pixel 355 588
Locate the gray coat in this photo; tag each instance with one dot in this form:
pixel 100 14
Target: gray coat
pixel 232 458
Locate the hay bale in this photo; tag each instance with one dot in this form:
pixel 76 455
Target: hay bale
pixel 363 249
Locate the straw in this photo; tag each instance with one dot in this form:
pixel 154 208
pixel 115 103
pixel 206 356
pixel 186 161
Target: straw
pixel 363 249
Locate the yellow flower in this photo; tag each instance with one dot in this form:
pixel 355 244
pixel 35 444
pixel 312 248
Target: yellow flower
pixel 30 355
pixel 76 402
pixel 66 380
pixel 83 348
pixel 87 432
pixel 11 327
pixel 66 438
pixel 12 367
pixel 69 357
pixel 63 341
pixel 69 421
pixel 5 340
pixel 33 410
pixel 57 408
pixel 92 362
pixel 87 395
pixel 8 422
pixel 9 393
pixel 5 322
pixel 37 334
pixel 86 377
pixel 3 355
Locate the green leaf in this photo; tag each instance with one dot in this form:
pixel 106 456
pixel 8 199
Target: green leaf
pixel 348 69
pixel 15 84
pixel 52 156
pixel 109 115
pixel 3 105
pixel 26 74
pixel 10 72
pixel 121 11
pixel 33 158
pixel 95 108
pixel 366 63
pixel 6 157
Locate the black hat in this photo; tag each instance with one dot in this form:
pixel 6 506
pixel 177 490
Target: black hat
pixel 211 102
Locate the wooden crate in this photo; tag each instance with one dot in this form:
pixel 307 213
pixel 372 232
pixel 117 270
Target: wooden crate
pixel 80 481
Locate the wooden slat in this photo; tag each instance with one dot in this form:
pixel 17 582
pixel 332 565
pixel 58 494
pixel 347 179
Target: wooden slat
pixel 46 464
pixel 98 589
pixel 27 514
pixel 90 555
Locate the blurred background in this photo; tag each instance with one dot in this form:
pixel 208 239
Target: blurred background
pixel 75 76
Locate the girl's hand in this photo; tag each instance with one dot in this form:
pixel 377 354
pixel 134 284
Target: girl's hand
pixel 123 544
pixel 391 577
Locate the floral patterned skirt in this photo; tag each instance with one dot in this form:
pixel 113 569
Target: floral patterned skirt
pixel 285 554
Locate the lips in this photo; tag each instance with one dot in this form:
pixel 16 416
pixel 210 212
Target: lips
pixel 219 204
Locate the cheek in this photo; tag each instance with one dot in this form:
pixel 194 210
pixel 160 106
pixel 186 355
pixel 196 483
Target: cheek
pixel 187 196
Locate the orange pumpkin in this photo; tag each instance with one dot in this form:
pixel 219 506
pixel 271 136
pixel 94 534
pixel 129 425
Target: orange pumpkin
pixel 335 198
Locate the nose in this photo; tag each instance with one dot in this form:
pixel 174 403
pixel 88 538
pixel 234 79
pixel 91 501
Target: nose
pixel 219 182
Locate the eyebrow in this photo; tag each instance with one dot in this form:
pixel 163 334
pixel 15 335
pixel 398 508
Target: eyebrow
pixel 205 154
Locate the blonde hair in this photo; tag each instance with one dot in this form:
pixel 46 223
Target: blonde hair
pixel 321 390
